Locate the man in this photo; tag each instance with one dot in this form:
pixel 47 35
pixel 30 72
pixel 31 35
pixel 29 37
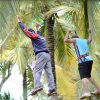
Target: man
pixel 84 61
pixel 43 60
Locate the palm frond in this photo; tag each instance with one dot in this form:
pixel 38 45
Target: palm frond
pixel 60 11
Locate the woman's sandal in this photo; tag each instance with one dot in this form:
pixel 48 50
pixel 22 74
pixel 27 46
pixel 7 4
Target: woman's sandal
pixel 84 96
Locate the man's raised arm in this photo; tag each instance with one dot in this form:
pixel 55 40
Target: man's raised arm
pixel 25 30
pixel 90 36
pixel 67 39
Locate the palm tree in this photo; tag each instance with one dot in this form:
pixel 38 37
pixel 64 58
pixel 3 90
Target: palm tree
pixel 25 85
pixel 6 96
pixel 76 14
pixel 5 72
pixel 51 41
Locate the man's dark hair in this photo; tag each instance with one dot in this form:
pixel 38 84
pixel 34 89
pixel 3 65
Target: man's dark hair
pixel 31 30
pixel 75 36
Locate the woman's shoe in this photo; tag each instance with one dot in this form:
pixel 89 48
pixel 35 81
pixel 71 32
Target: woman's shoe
pixel 96 92
pixel 85 95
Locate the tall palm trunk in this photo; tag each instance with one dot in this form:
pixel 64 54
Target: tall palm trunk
pixel 86 20
pixel 25 85
pixel 50 25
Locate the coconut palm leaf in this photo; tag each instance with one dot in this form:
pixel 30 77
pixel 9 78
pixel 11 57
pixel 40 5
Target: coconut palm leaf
pixel 7 38
pixel 60 10
pixel 6 96
pixel 5 71
pixel 21 56
pixel 71 14
pixel 30 81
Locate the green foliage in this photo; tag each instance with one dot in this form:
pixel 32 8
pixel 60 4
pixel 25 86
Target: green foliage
pixel 4 67
pixel 30 81
pixel 6 96
pixel 59 42
pixel 21 58
pixel 71 15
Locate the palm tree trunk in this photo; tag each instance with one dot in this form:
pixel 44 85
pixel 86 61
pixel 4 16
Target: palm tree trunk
pixel 50 25
pixel 3 80
pixel 25 85
pixel 86 20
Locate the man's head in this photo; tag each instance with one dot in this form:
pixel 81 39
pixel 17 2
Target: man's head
pixel 75 35
pixel 31 30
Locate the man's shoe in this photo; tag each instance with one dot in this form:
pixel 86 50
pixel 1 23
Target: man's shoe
pixel 52 92
pixel 85 95
pixel 35 90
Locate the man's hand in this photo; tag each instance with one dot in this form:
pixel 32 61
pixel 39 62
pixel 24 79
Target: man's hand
pixel 67 34
pixel 90 36
pixel 89 30
pixel 18 18
pixel 69 31
pixel 37 26
pixel 67 39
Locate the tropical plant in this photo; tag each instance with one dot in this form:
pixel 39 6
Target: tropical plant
pixel 6 96
pixel 5 72
pixel 76 14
